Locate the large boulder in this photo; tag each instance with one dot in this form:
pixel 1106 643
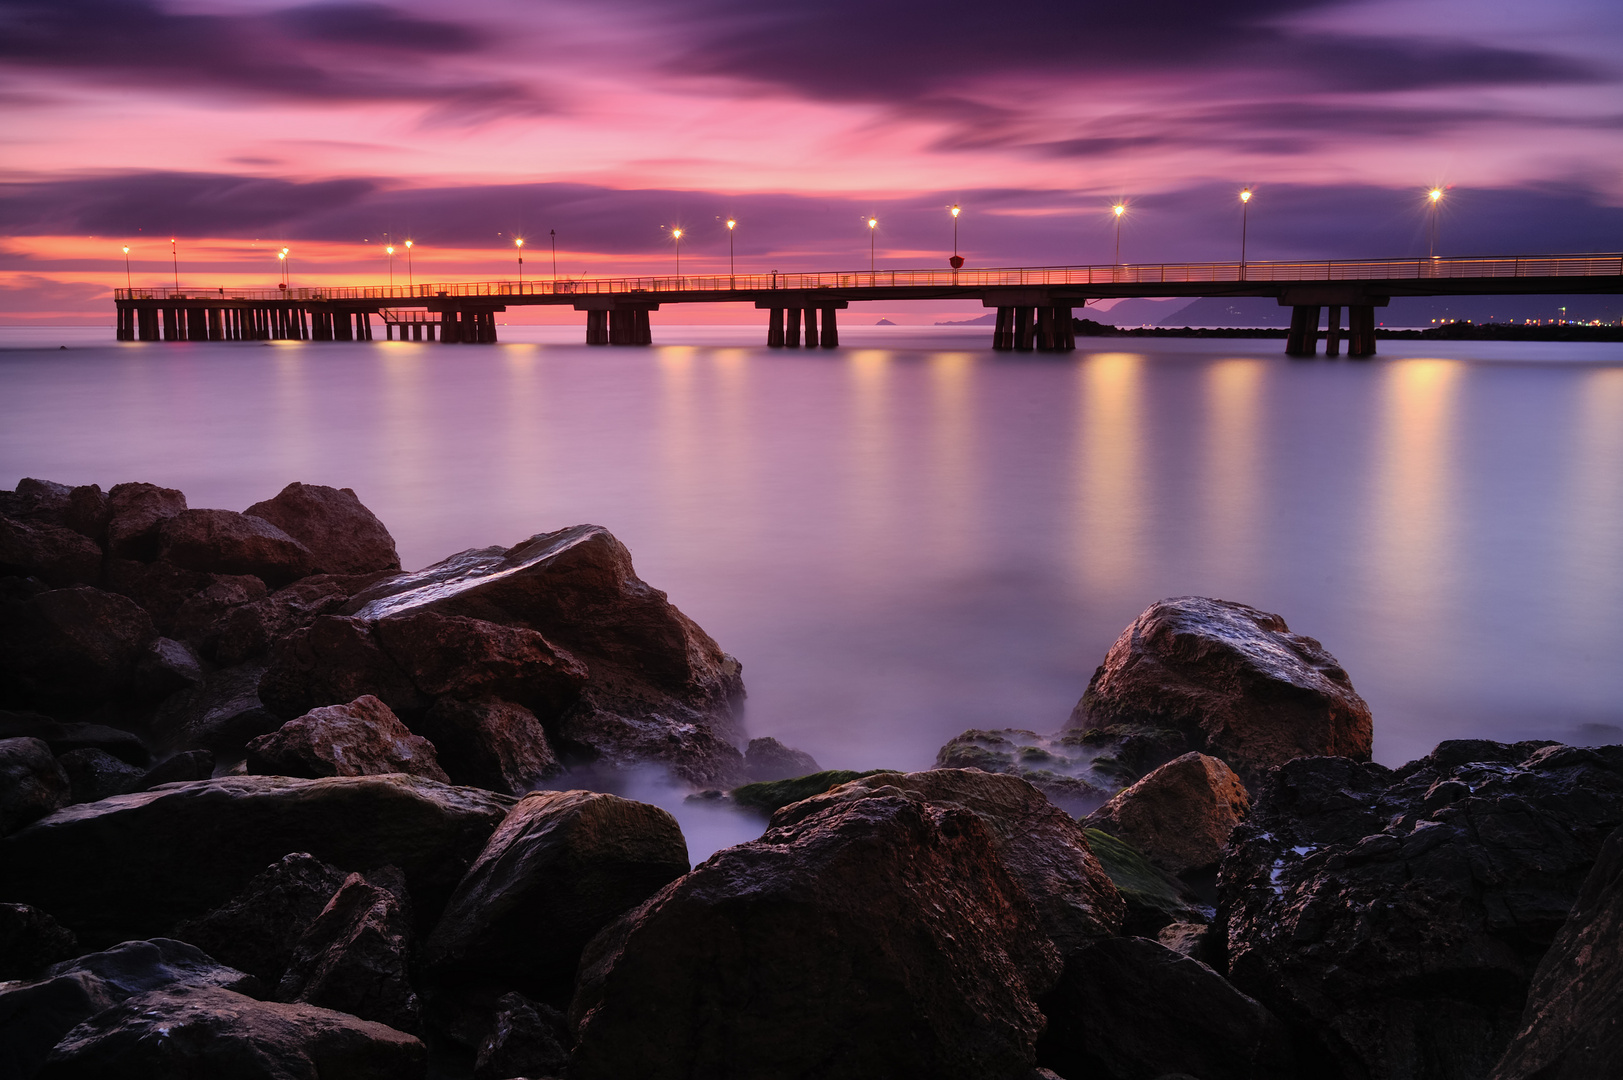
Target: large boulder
pixel 135 865
pixel 32 783
pixel 1043 848
pixel 767 759
pixel 206 1032
pixel 878 937
pixel 1572 1028
pixel 221 714
pixel 354 956
pixel 184 604
pixel 249 629
pixel 1153 898
pixel 226 542
pixel 362 738
pixel 1227 680
pixel 1059 766
pixel 1180 816
pixel 135 512
pixel 1130 1009
pixel 95 774
pixel 343 536
pixel 570 861
pixel 82 509
pixel 72 649
pixel 257 930
pixel 55 555
pixel 490 744
pixel 1397 917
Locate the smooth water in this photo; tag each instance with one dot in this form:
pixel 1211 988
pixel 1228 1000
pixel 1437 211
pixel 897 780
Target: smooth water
pixel 912 535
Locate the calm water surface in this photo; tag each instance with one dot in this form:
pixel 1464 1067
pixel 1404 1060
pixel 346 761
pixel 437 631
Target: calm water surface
pixel 912 535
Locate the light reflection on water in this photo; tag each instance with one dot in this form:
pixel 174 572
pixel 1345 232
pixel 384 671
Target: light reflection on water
pixel 901 541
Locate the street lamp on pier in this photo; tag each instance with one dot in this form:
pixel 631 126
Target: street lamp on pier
pixel 731 225
pixel 1119 209
pixel 127 287
pixel 553 235
pixel 1434 197
pixel 676 234
pixel 1245 208
pixel 281 262
pixel 174 260
pixel 518 242
pixel 873 223
pixel 956 260
pixel 389 250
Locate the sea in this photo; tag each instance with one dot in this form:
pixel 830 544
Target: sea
pixel 912 535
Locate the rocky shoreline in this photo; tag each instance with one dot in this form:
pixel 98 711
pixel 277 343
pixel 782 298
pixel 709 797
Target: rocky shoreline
pixel 271 806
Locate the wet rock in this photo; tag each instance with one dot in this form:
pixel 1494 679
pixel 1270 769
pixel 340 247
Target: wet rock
pixel 1153 897
pixel 204 612
pixel 57 556
pixel 1398 916
pixel 880 936
pixel 134 514
pixel 226 542
pixel 362 738
pixel 331 661
pixel 1130 1009
pixel 619 737
pixel 82 509
pixel 256 930
pixel 530 1038
pixel 354 957
pixel 32 783
pixel 1180 815
pixel 181 768
pixel 343 536
pixel 64 737
pixel 1571 1028
pixel 72 648
pixel 769 796
pixel 1057 765
pixel 221 715
pixel 248 630
pixel 1186 939
pixel 31 941
pixel 212 1032
pixel 1043 848
pixel 95 774
pixel 167 667
pixel 571 861
pixel 129 866
pixel 1227 680
pixel 768 759
pixel 490 744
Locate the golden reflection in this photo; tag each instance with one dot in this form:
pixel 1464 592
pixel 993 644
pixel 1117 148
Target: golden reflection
pixel 1110 512
pixel 405 426
pixel 953 456
pixel 1595 501
pixel 527 455
pixel 1231 486
pixel 870 461
pixel 678 438
pixel 1414 549
pixel 295 413
pixel 733 457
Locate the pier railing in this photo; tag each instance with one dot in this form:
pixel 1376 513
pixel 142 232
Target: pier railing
pixel 655 286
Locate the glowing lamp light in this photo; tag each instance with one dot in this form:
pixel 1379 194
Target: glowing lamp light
pixel 956 210
pixel 677 233
pixel 873 223
pixel 518 242
pixel 731 224
pixel 389 250
pixel 126 249
pixel 1118 209
pixel 1245 196
pixel 1434 194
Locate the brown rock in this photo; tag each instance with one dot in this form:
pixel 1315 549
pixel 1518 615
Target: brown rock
pixel 1042 847
pixel 250 629
pixel 622 736
pixel 256 930
pixel 354 957
pixel 1227 680
pixel 163 590
pixel 768 759
pixel 1180 815
pixel 331 661
pixel 530 1038
pixel 200 617
pixel 343 536
pixel 225 542
pixel 134 513
pixel 490 744
pixel 32 783
pixel 82 509
pixel 70 648
pixel 362 738
pixel 879 937
pixel 571 861
pixel 57 556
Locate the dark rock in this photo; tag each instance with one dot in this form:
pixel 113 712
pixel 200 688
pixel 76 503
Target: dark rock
pixel 65 737
pixel 226 542
pixel 362 738
pixel 1572 1028
pixel 56 555
pixel 770 796
pixel 1227 680
pixel 94 775
pixel 331 661
pixel 182 768
pixel 1394 933
pixel 250 629
pixel 1059 766
pixel 1130 1009
pixel 1153 897
pixel 570 861
pixel 134 514
pixel 343 536
pixel 256 930
pixel 878 937
pixel 354 957
pixel 164 591
pixel 32 783
pixel 1186 939
pixel 70 648
pixel 768 759
pixel 167 667
pixel 530 1038
pixel 490 744
pixel 205 612
pixel 1180 815
pixel 82 509
pixel 31 941
pixel 34 1016
pixel 221 715
pixel 131 866
pixel 1043 848
pixel 165 1034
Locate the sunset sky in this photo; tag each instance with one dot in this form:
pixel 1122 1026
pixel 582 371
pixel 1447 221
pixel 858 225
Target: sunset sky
pixel 238 128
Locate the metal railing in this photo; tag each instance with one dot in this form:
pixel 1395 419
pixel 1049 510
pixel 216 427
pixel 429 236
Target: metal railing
pixel 654 287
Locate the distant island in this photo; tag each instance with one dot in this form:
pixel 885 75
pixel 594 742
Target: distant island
pixel 1458 331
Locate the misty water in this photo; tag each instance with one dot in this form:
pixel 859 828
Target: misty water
pixel 912 535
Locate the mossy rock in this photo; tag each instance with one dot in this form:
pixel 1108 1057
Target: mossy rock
pixel 1154 897
pixel 770 795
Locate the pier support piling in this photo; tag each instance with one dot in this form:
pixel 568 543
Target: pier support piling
pixel 831 331
pixel 791 330
pixel 774 328
pixel 1303 339
pixel 1332 331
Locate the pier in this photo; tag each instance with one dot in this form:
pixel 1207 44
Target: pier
pixel 1034 305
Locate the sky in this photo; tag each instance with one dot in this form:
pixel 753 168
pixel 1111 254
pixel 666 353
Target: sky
pixel 238 127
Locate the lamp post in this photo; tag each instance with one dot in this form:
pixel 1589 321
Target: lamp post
pixel 518 242
pixel 1245 208
pixel 411 279
pixel 1119 209
pixel 956 259
pixel 281 263
pixel 731 225
pixel 389 250
pixel 553 235
pixel 127 287
pixel 1435 196
pixel 873 223
pixel 676 234
pixel 174 260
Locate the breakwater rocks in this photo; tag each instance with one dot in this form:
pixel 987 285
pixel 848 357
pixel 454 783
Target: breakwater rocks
pixel 267 810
